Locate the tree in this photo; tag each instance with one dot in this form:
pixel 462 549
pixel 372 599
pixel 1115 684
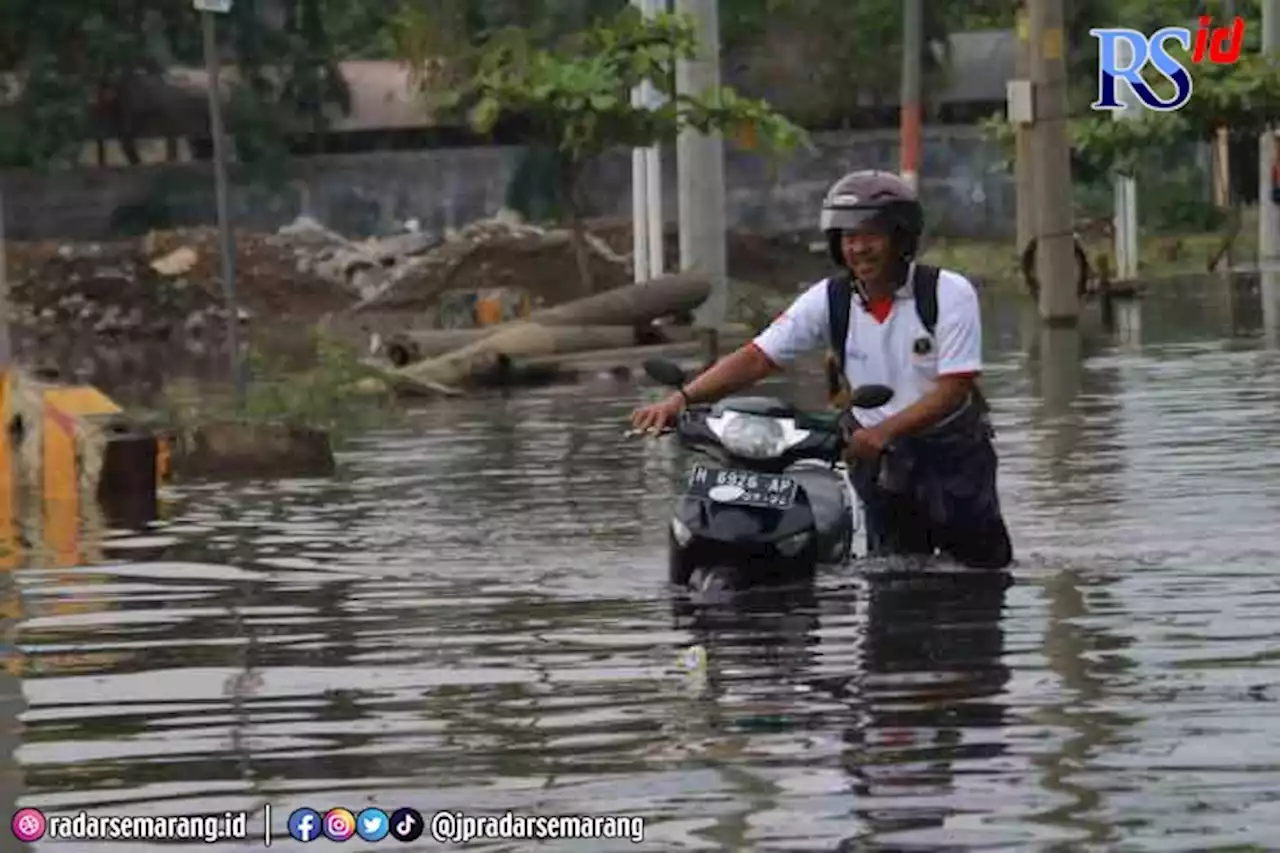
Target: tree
pixel 830 57
pixel 88 69
pixel 1244 97
pixel 575 97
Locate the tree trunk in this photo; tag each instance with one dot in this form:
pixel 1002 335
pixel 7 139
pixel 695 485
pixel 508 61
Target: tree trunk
pixel 413 345
pixel 673 294
pixel 545 333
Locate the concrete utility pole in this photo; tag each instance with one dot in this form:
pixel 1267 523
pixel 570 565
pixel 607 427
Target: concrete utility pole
pixel 1126 187
pixel 909 105
pixel 1055 256
pixel 1268 211
pixel 1222 140
pixel 6 315
pixel 1024 154
pixel 700 168
pixel 646 180
pixel 208 8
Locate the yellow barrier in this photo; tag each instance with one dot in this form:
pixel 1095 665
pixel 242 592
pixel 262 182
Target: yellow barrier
pixel 63 407
pixel 70 458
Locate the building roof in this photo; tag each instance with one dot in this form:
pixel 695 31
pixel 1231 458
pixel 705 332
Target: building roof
pixel 384 95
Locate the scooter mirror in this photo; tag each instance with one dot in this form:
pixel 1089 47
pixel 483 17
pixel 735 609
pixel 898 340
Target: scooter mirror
pixel 665 372
pixel 871 396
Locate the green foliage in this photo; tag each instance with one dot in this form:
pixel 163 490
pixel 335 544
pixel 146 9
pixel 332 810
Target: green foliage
pixel 576 96
pixel 851 51
pixel 1244 97
pixel 88 65
pixel 573 96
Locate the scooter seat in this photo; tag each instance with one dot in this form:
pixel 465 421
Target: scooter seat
pixel 770 407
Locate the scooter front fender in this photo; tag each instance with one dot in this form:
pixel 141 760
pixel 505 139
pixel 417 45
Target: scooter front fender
pixel 731 523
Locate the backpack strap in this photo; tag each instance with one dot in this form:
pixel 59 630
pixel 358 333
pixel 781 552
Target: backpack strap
pixel 839 300
pixel 925 289
pixel 924 285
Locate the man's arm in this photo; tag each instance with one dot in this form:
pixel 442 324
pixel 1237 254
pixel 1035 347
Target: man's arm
pixel 802 327
pixel 959 340
pixel 740 369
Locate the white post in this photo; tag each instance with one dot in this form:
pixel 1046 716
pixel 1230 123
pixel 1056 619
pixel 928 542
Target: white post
pixel 653 169
pixel 700 169
pixel 639 212
pixel 1268 143
pixel 1126 188
pixel 639 189
pixel 1270 287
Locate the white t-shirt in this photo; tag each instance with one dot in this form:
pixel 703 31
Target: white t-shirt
pixel 887 345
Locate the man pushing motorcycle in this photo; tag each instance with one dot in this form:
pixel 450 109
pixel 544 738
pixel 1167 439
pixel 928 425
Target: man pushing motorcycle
pixel 923 464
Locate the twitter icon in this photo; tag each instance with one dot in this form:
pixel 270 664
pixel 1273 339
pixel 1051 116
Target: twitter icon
pixel 373 824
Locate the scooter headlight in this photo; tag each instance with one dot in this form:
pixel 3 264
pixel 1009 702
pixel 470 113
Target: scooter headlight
pixel 754 437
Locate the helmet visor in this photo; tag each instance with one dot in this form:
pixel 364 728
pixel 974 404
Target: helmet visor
pixel 852 219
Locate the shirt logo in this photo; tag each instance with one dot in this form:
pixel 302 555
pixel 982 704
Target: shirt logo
pixel 922 345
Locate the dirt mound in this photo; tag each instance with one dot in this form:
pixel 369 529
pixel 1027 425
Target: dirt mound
pixel 541 262
pixel 147 289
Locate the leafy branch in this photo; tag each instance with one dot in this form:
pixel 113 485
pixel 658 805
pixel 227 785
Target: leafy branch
pixel 574 98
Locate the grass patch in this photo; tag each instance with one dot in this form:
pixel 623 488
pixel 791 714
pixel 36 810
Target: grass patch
pixel 331 390
pixel 996 263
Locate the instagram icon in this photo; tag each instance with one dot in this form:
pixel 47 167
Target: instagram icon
pixel 339 824
pixel 28 825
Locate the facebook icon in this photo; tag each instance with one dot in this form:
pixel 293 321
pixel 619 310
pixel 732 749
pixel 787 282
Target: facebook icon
pixel 304 825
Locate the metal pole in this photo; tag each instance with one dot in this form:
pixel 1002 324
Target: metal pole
pixel 909 108
pixel 1055 256
pixel 1268 210
pixel 1125 186
pixel 1025 153
pixel 700 168
pixel 225 247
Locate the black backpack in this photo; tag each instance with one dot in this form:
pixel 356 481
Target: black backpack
pixel 839 301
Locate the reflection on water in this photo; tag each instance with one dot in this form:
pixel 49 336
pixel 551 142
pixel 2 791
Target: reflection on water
pixel 472 615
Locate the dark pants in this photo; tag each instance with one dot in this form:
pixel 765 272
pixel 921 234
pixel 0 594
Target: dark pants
pixel 937 492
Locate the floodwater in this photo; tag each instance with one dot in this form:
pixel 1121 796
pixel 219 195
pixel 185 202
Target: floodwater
pixel 473 615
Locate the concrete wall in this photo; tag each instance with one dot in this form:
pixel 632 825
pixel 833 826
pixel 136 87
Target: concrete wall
pixel 965 186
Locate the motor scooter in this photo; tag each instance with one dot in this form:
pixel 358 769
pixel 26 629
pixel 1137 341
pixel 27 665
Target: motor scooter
pixel 767 497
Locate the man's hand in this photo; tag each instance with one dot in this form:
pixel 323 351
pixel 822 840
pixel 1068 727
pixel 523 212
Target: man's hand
pixel 868 443
pixel 654 417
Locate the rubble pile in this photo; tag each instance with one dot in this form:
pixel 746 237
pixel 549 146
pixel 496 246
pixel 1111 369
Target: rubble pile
pixel 496 253
pixel 167 281
pixel 106 291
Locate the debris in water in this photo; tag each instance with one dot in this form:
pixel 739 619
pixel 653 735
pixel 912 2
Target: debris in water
pixel 694 660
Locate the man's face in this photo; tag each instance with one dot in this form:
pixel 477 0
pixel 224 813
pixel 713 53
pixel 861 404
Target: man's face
pixel 867 254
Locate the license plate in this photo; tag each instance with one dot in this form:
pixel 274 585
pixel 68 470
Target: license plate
pixel 745 488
